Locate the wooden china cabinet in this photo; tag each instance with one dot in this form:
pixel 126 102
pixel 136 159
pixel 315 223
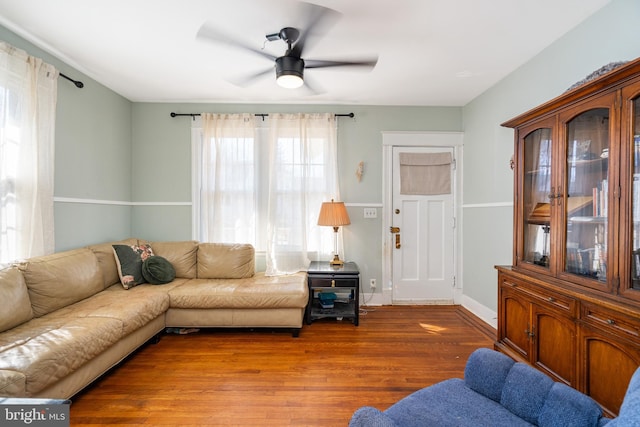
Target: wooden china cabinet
pixel 570 303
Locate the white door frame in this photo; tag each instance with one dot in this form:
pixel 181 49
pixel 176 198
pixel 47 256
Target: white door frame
pixel 418 139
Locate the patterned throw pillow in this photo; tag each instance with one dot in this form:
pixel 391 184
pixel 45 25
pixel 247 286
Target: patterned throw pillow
pixel 129 260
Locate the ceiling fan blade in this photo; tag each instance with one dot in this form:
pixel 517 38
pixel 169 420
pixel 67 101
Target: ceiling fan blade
pixel 246 80
pixel 209 34
pixel 311 85
pixel 319 63
pixel 316 21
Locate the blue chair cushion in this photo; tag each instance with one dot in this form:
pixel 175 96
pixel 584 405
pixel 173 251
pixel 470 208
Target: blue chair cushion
pixel 525 392
pixel 486 372
pixel 451 404
pixel 568 407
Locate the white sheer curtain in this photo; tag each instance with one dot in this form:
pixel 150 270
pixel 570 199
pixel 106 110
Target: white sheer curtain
pixel 28 94
pixel 303 160
pixel 263 182
pixel 227 200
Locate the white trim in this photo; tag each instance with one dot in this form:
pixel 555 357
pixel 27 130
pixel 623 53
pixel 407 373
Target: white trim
pixel 481 311
pixel 116 202
pixel 363 205
pixel 392 139
pixel 488 205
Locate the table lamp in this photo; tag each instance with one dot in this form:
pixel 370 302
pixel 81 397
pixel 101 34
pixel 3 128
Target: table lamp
pixel 334 214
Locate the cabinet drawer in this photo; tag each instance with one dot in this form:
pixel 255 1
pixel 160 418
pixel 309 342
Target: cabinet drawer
pixel 611 321
pixel 332 282
pixel 553 299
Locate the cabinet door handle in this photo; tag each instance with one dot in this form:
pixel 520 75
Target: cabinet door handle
pixel 551 299
pixel 333 283
pixel 611 321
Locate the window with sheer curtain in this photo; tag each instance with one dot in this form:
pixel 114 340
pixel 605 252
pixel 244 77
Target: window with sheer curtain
pixel 262 181
pixel 28 93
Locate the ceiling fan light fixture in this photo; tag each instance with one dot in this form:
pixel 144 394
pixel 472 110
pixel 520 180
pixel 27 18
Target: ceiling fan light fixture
pixel 289 72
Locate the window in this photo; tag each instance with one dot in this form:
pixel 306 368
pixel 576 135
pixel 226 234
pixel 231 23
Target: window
pixel 262 181
pixel 28 89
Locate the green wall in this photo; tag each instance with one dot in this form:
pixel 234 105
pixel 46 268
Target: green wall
pixel 124 169
pixel 610 35
pixel 92 157
pixel 162 167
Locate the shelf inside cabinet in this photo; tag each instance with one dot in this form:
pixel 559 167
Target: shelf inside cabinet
pixel 540 215
pixel 576 204
pixel 596 220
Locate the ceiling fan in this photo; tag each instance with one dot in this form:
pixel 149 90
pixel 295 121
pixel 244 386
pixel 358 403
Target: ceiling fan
pixel 290 67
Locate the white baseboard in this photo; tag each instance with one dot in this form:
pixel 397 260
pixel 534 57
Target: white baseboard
pixel 483 312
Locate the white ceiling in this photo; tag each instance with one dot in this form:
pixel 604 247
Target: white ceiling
pixel 431 52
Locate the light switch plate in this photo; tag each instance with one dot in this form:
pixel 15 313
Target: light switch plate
pixel 370 212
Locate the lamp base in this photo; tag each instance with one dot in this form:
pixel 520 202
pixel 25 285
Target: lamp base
pixel 336 260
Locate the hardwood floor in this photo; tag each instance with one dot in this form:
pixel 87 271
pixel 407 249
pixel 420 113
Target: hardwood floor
pixel 260 378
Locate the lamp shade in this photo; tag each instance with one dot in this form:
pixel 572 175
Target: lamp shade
pixel 333 214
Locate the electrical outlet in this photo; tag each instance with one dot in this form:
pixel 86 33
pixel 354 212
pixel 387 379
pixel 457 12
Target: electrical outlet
pixel 372 283
pixel 370 212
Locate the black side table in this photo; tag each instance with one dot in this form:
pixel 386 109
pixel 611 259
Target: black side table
pixel 343 281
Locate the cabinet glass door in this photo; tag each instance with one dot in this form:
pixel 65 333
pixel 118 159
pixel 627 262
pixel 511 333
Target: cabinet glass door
pixel 635 198
pixel 536 190
pixel 587 194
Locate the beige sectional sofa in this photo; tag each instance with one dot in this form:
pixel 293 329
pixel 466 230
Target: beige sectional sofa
pixel 66 319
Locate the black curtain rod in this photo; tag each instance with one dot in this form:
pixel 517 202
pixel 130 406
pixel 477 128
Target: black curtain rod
pixel 263 115
pixel 78 83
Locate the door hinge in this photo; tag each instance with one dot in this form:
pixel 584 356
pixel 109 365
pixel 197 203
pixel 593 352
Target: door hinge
pixel 453 225
pixel 454 281
pixel 454 164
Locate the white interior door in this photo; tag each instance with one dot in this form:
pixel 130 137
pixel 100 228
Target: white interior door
pixel 423 228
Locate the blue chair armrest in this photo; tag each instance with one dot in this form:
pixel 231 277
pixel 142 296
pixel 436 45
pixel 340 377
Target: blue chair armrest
pixel 368 416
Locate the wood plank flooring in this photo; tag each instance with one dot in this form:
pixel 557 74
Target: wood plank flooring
pixel 268 378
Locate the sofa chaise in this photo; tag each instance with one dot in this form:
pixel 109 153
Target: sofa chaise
pixel 498 392
pixel 66 318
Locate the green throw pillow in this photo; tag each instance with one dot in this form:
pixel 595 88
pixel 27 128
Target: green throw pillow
pixel 157 270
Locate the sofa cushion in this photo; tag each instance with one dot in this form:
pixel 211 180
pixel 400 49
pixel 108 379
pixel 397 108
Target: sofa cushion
pixel 14 295
pixel 157 270
pixel 129 260
pixel 486 372
pixel 133 308
pixel 60 279
pixel 49 352
pixel 258 292
pixel 12 383
pixel 525 391
pixel 181 255
pixel 568 407
pixel 106 260
pixel 225 261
